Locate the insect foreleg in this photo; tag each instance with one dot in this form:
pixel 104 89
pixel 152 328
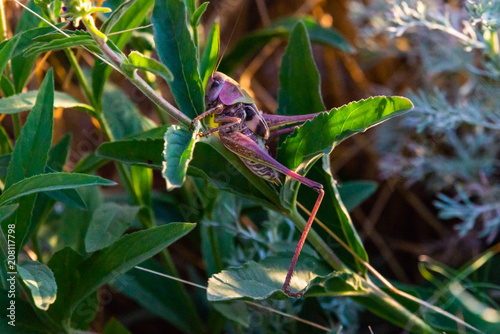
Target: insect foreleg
pixel 214 110
pixel 229 120
pixel 246 148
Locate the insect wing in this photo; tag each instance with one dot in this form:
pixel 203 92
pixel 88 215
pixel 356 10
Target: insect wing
pixel 232 93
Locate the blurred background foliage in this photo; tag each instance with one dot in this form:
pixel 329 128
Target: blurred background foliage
pixel 437 167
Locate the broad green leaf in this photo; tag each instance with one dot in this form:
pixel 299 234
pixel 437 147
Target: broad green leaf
pixel 26 38
pixel 50 182
pixel 263 280
pixel 235 311
pixel 138 61
pixel 7 210
pixel 300 91
pixel 338 284
pixel 6 52
pixel 147 153
pixel 122 115
pixel 353 193
pixel 127 16
pixel 321 134
pixel 5 145
pixel 178 152
pixel 177 52
pixel 40 280
pixel 122 256
pixel 26 101
pixel 4 163
pixel 113 326
pixel 57 41
pixel 108 223
pixel 166 303
pixel 255 41
pixel 35 136
pixel 210 53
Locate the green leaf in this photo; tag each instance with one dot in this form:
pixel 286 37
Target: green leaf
pixel 89 163
pixel 57 41
pixel 7 210
pixel 344 283
pixel 127 16
pixel 177 52
pixel 178 152
pixel 113 326
pixel 50 182
pixel 36 135
pixel 121 114
pixel 147 153
pixel 138 61
pixel 108 223
pixel 40 280
pixel 6 86
pixel 117 259
pixel 75 222
pixel 262 280
pixel 26 101
pixel 353 193
pixel 321 134
pixel 6 52
pixel 167 303
pixel 255 41
pixel 236 311
pixel 300 91
pixel 196 17
pixel 5 145
pixel 210 53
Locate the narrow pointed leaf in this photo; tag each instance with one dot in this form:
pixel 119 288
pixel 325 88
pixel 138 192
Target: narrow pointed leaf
pixel 6 52
pixel 57 41
pixel 7 210
pixel 147 152
pixel 178 152
pixel 210 53
pixel 108 223
pixel 5 144
pixel 26 101
pixel 262 280
pixel 36 135
pixel 51 182
pixel 139 61
pixel 325 131
pixel 282 28
pixel 198 13
pixel 41 282
pixel 177 52
pixel 125 254
pixel 300 82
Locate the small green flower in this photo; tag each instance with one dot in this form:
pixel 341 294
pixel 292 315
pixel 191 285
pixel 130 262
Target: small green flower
pixel 82 10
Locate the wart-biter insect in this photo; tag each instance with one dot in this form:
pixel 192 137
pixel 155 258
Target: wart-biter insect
pixel 244 129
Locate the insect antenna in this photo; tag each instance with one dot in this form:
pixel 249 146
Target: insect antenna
pixel 216 65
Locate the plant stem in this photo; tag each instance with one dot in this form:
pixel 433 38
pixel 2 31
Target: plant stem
pixel 142 85
pixel 3 23
pixel 79 74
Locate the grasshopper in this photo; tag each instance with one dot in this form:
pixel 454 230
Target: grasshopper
pixel 244 129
